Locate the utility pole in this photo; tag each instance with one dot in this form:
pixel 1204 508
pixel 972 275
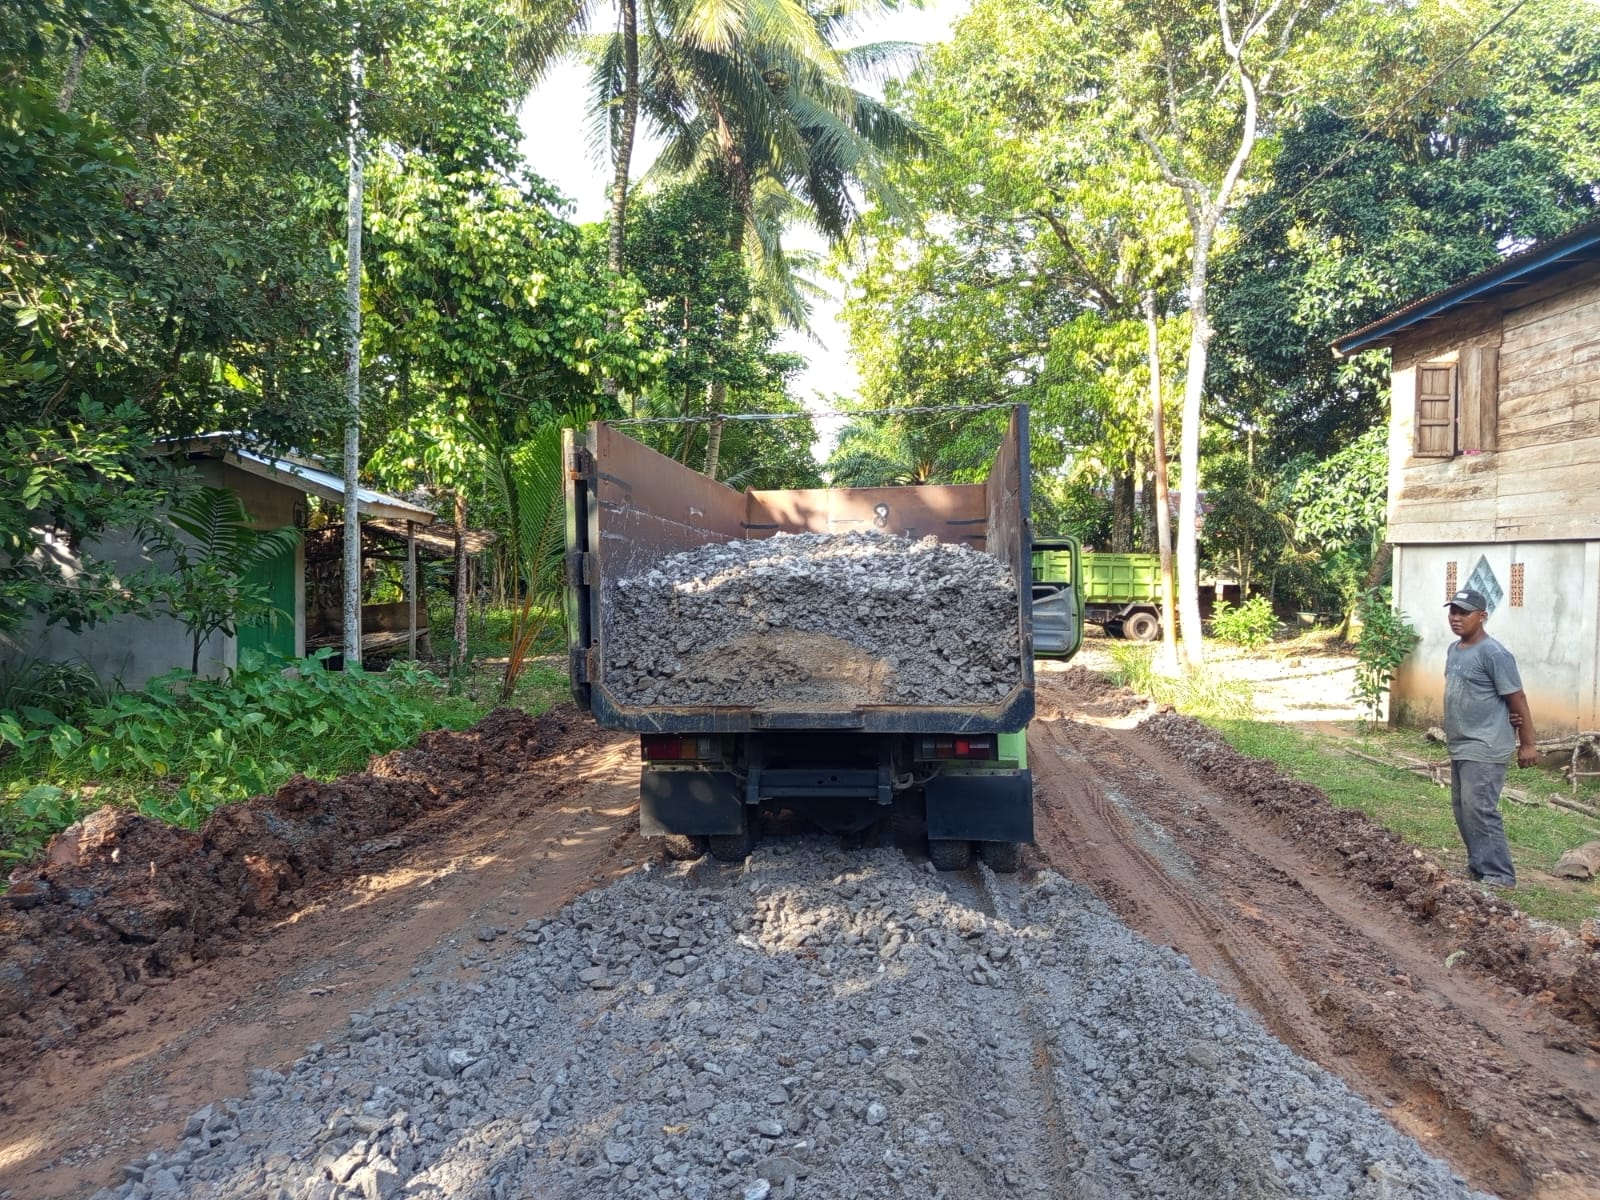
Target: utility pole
pixel 352 387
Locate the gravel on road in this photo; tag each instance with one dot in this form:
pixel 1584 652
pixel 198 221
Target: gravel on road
pixel 808 1024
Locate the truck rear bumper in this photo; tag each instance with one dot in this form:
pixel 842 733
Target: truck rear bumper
pixel 989 806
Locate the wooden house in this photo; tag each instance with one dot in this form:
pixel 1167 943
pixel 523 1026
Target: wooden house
pixel 1494 472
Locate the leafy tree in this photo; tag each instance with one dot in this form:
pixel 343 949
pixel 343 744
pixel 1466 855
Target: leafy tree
pixel 65 483
pixel 1364 211
pixel 1026 277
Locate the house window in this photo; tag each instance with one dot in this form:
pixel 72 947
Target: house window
pixel 1451 575
pixel 1436 410
pixel 1518 572
pixel 1457 404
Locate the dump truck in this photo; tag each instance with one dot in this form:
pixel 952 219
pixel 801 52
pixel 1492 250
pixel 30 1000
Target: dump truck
pixel 831 744
pixel 1121 593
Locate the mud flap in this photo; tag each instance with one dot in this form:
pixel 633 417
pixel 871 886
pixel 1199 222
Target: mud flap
pixel 693 802
pixel 995 806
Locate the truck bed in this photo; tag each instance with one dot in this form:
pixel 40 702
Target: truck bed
pixel 628 507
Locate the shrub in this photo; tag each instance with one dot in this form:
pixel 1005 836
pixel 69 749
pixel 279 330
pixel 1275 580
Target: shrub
pixel 1386 638
pixel 185 746
pixel 1250 624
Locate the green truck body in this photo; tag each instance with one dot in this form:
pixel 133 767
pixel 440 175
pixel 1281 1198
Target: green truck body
pixel 1120 592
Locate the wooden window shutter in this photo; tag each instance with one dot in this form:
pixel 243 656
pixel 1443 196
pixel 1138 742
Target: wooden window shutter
pixel 1436 410
pixel 1480 398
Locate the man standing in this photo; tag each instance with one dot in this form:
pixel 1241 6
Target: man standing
pixel 1486 717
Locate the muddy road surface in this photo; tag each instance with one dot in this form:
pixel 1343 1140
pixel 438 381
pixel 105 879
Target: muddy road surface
pixel 488 985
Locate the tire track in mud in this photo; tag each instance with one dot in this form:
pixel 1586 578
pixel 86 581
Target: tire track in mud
pixel 1331 972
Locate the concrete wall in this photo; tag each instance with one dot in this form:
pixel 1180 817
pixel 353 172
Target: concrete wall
pixel 1554 631
pixel 133 649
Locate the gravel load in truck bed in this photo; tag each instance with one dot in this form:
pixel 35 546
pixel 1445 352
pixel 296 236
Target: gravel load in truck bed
pixel 809 1025
pixel 815 619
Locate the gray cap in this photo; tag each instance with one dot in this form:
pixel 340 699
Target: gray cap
pixel 1470 599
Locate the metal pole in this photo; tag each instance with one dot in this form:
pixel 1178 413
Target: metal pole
pixel 411 581
pixel 352 426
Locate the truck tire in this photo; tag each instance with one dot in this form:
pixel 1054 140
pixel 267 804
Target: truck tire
pixel 948 854
pixel 1141 627
pixel 1003 858
pixel 683 847
pixel 730 847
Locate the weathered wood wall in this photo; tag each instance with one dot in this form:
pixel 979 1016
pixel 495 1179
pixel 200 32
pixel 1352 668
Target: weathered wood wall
pixel 1528 380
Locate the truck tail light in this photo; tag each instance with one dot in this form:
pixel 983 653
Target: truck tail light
pixel 981 745
pixel 680 749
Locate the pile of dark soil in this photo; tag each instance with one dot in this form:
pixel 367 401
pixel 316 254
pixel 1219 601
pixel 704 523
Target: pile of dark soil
pixel 1097 693
pixel 1559 969
pixel 121 902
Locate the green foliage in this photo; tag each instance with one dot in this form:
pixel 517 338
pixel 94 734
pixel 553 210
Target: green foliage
pixel 1250 624
pixel 1247 521
pixel 63 690
pixel 1386 638
pixel 186 745
pixel 66 481
pixel 207 538
pixel 531 483
pixel 1366 209
pixel 1207 694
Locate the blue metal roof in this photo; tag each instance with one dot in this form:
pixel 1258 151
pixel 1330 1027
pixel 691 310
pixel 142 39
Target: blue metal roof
pixel 1581 244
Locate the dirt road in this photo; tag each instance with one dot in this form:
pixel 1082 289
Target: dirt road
pixel 1491 1063
pixel 1494 1080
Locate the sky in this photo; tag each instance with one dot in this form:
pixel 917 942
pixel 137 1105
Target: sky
pixel 553 123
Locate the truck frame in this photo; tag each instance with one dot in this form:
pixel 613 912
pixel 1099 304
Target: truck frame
pixel 705 770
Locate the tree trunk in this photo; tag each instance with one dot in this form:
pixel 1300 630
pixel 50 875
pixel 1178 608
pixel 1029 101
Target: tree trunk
pixel 1163 506
pixel 352 394
pixel 458 653
pixel 1194 386
pixel 616 233
pixel 1122 503
pixel 719 397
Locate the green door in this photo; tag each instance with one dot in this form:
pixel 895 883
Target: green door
pixel 275 633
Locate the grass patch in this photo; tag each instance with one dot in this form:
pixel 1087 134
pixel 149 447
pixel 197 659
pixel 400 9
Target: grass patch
pixel 1419 810
pixel 1206 694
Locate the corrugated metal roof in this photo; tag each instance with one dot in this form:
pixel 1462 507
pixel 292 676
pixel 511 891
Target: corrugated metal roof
pixel 1581 244
pixel 320 482
pixel 301 473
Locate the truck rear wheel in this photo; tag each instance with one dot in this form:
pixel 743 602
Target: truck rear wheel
pixel 1003 858
pixel 683 847
pixel 1141 627
pixel 731 847
pixel 950 855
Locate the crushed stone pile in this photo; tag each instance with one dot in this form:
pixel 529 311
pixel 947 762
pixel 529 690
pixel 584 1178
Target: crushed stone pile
pixel 811 1025
pixel 823 619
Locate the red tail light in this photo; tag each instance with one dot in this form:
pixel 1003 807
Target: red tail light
pixel 981 745
pixel 679 749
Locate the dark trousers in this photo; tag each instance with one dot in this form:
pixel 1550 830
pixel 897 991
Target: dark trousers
pixel 1475 799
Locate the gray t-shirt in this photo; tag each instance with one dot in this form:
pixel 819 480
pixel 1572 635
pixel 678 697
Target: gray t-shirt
pixel 1477 723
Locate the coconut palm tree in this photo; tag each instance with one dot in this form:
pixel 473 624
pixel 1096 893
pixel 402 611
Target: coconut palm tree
pixel 784 125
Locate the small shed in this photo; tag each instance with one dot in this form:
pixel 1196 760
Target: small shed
pixel 1494 471
pixel 133 649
